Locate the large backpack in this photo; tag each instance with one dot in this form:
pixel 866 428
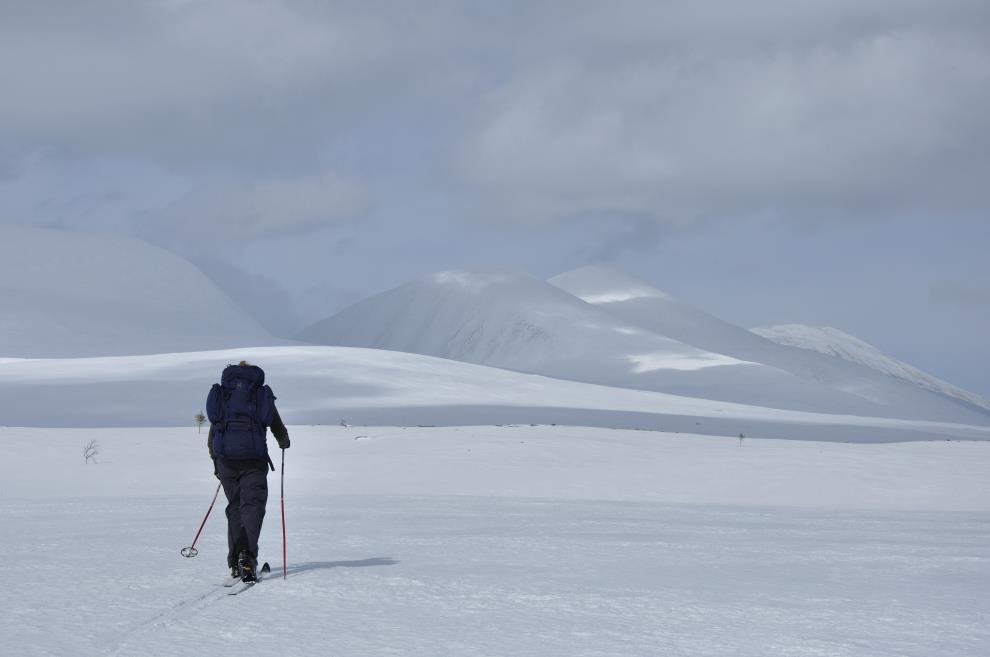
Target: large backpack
pixel 240 408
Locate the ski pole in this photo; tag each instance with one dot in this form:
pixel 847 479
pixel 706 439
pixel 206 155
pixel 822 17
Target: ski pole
pixel 191 551
pixel 284 567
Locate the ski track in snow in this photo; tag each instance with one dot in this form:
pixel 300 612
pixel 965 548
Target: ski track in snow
pixel 502 541
pixel 540 577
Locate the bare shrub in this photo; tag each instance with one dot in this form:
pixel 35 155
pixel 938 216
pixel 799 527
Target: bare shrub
pixel 91 449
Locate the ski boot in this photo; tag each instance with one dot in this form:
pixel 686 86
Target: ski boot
pixel 246 566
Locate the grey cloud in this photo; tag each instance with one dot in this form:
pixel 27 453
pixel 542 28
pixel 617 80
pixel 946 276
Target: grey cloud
pixel 193 83
pixel 7 171
pixel 615 237
pixel 679 110
pixel 241 211
pixel 965 295
pixel 879 112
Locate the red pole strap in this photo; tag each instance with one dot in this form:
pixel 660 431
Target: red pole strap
pixel 284 566
pixel 208 511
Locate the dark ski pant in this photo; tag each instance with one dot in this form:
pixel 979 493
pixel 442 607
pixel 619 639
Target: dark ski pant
pixel 245 483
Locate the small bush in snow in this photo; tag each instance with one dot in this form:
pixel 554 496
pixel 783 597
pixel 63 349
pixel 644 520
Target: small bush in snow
pixel 91 449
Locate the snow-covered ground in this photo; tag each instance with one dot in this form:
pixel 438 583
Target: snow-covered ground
pixel 502 541
pixel 323 385
pixel 865 533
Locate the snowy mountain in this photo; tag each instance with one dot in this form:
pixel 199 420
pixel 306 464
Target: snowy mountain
pixel 74 294
pixel 513 321
pixel 642 305
pixel 646 307
pixel 521 323
pixel 833 342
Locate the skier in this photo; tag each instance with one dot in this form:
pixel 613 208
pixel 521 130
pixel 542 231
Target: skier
pixel 241 408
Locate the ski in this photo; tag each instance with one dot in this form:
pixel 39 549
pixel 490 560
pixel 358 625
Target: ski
pixel 240 587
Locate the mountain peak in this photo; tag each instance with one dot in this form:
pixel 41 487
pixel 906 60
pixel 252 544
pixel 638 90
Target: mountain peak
pixel 836 342
pixel 601 284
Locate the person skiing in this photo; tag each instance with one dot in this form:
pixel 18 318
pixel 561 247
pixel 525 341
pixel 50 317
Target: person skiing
pixel 241 408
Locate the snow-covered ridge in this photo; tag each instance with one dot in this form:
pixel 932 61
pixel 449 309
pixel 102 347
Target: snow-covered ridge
pixel 834 342
pixel 72 295
pixel 601 326
pixel 505 320
pixel 519 322
pixel 79 294
pixel 635 302
pixel 323 385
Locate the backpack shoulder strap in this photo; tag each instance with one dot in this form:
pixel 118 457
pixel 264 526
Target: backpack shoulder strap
pixel 266 405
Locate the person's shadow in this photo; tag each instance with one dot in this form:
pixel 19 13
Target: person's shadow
pixel 299 568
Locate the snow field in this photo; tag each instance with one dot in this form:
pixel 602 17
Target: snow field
pixel 322 385
pixel 502 541
pixel 429 576
pixel 519 461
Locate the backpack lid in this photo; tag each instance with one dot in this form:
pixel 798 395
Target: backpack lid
pixel 251 374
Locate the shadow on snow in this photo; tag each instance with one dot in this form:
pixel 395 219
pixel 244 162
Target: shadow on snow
pixel 300 568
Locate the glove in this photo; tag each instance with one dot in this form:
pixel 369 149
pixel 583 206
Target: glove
pixel 215 473
pixel 284 444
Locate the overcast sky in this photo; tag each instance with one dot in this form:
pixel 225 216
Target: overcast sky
pixel 814 161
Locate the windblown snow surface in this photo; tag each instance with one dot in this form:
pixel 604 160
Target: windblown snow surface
pixel 833 342
pixel 79 294
pixel 549 541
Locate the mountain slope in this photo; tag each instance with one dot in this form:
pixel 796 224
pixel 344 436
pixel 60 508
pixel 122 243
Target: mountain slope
pixel 833 342
pixel 75 294
pixel 521 323
pixel 504 320
pixel 646 307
